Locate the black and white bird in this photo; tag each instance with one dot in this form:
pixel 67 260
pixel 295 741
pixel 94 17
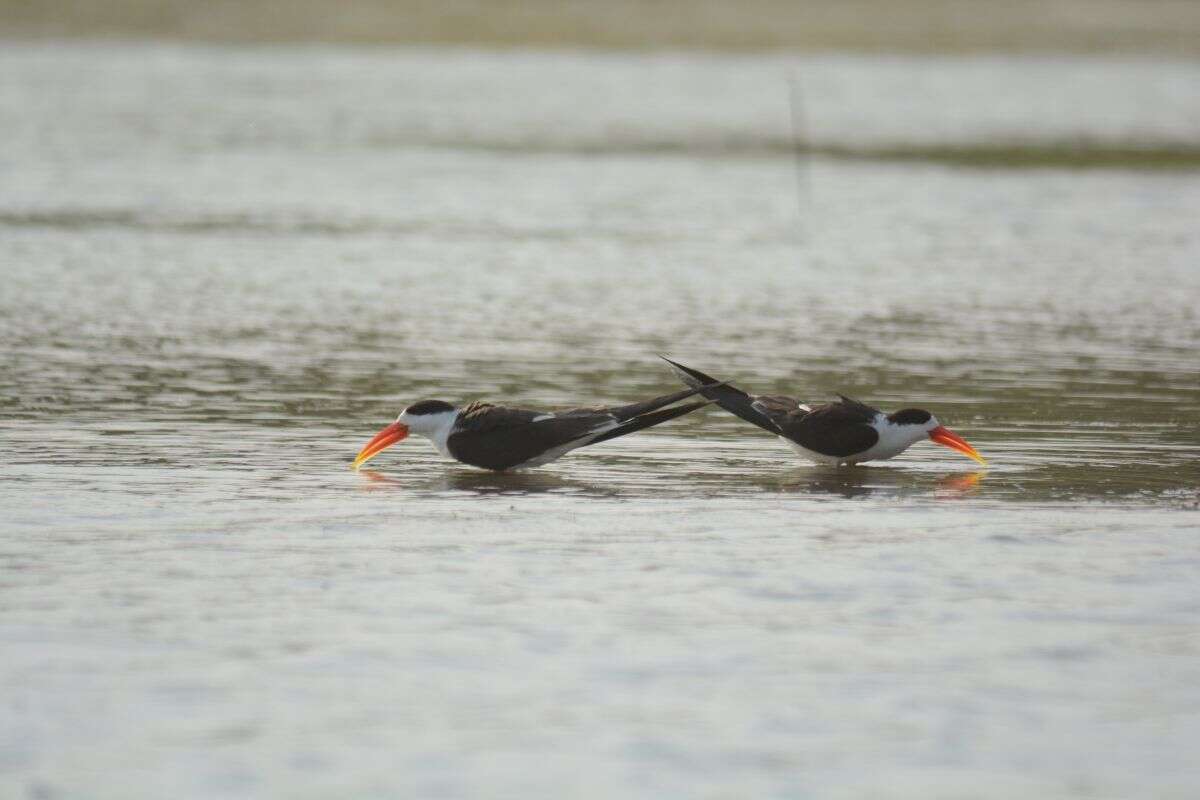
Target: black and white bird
pixel 499 438
pixel 842 432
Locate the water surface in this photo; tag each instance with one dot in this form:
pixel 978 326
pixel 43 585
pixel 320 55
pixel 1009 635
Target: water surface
pixel 224 269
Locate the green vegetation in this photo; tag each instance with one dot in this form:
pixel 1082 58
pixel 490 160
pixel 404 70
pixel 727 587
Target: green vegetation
pixel 1158 26
pixel 983 155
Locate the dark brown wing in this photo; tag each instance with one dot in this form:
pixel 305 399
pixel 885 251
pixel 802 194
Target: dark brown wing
pixel 481 417
pixel 649 420
pixel 777 408
pixel 833 429
pixel 628 412
pixel 495 437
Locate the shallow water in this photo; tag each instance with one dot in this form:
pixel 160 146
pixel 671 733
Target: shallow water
pixel 225 269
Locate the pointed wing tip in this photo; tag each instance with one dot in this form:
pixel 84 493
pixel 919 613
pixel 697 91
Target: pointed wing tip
pixel 689 376
pixel 689 371
pixel 670 361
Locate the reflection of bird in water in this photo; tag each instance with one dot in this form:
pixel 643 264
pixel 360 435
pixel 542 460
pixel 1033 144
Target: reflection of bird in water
pixel 866 482
pixel 843 483
pixel 378 482
pixel 379 478
pixel 488 483
pixel 517 483
pixel 952 486
pixel 838 433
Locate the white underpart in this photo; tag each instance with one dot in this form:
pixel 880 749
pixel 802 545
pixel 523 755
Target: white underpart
pixel 812 455
pixel 435 427
pixel 893 440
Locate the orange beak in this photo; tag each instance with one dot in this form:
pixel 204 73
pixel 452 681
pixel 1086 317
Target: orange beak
pixel 949 438
pixel 383 440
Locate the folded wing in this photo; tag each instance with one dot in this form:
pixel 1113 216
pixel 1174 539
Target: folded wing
pixel 500 438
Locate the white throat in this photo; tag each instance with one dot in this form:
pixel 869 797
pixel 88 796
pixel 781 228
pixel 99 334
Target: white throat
pixel 894 439
pixel 434 427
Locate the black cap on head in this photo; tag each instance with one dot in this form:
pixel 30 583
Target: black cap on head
pixel 424 407
pixel 910 416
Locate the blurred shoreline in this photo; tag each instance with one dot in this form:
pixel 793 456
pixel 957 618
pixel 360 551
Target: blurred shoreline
pixel 1165 27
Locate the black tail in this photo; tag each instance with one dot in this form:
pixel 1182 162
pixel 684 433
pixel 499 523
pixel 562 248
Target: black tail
pixel 730 398
pixel 651 419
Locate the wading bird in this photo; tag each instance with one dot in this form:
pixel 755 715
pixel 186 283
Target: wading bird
pixel 841 432
pixel 499 438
